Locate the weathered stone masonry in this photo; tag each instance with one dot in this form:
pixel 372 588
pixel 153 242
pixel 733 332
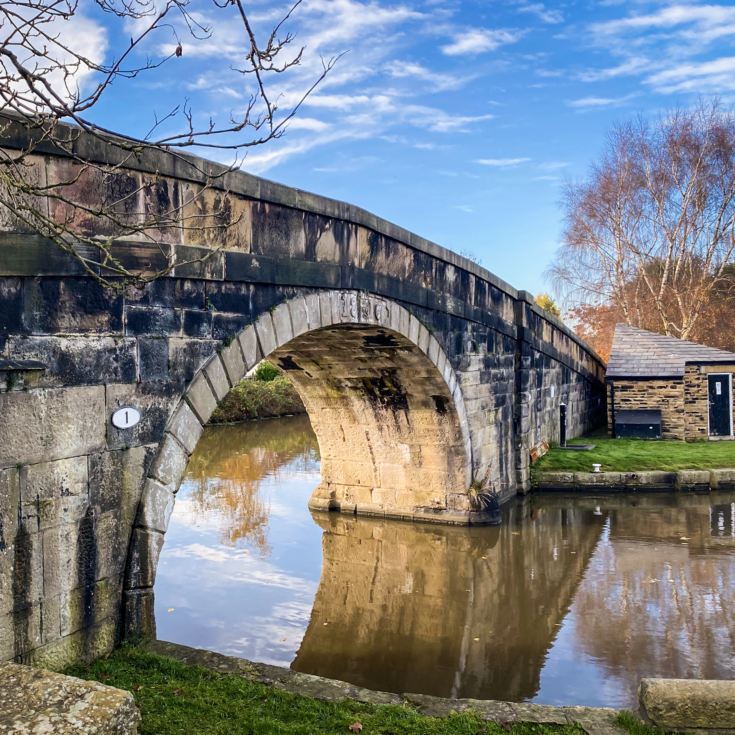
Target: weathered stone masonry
pixel 424 375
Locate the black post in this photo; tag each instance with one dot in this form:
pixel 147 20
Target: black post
pixel 562 424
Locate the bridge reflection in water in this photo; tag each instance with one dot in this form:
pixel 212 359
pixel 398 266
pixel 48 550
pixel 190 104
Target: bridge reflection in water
pixel 572 600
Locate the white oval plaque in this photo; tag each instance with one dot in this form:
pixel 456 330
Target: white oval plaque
pixel 125 417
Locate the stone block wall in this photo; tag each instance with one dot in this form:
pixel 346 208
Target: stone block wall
pixel 683 402
pixel 666 395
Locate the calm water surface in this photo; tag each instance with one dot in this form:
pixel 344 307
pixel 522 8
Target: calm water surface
pixel 571 601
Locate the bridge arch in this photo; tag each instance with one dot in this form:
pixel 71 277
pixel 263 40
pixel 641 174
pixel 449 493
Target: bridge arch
pixel 384 401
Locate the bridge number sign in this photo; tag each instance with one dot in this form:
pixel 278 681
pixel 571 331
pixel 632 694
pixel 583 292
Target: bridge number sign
pixel 125 417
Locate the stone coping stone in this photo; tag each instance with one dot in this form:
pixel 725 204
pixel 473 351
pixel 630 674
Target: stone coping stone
pixel 35 702
pixel 594 720
pixel 647 481
pixel 689 705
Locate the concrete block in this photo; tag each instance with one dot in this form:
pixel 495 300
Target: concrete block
pixel 83 608
pixel 281 317
pixel 60 572
pixel 722 479
pixel 693 480
pixel 116 479
pixel 233 362
pixel 344 307
pixel 404 322
pixel 55 493
pixel 250 348
pixel 201 398
pixel 395 317
pixel 299 316
pixel 42 425
pixel 689 705
pixel 145 548
pixel 325 309
pixel 139 613
pixel 170 464
pixel 36 701
pixel 186 427
pixel 414 325
pixel 84 645
pixel 423 339
pixel 21 570
pixel 217 376
pixel 650 480
pixel 313 313
pixel 156 506
pixel 9 507
pixel 20 633
pixel 110 539
pixel 266 334
pixel 433 350
pixel 154 403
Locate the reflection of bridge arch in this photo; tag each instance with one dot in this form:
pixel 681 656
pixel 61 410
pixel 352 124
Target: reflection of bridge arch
pixel 461 612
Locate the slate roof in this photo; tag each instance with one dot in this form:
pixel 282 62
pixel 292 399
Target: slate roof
pixel 637 353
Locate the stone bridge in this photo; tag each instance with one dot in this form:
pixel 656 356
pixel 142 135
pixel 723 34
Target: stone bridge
pixel 428 380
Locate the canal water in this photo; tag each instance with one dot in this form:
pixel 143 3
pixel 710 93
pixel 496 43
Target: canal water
pixel 571 601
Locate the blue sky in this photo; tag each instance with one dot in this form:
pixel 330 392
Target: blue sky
pixel 457 119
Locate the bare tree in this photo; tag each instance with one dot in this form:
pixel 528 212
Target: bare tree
pixel 651 232
pixel 50 74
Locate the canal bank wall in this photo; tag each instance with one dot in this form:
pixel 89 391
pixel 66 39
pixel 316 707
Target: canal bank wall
pixel 593 720
pixel 645 481
pixel 673 705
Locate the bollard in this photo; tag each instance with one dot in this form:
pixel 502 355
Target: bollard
pixel 562 424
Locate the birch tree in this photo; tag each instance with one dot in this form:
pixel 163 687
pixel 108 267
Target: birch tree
pixel 651 231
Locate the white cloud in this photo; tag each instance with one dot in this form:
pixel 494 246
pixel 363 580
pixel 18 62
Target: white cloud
pixel 501 162
pixel 542 12
pixel 634 65
pixel 437 80
pixel 308 123
pixel 584 103
pixel 479 40
pixel 61 53
pixel 464 208
pixel 712 20
pixel 714 76
pixel 553 165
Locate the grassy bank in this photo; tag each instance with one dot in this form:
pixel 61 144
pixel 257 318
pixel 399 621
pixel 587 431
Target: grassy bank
pixel 632 455
pixel 267 394
pixel 175 698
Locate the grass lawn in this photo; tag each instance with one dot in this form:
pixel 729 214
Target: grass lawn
pixel 632 455
pixel 176 698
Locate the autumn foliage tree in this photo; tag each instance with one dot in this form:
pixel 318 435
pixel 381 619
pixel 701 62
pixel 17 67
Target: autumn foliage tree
pixel 650 234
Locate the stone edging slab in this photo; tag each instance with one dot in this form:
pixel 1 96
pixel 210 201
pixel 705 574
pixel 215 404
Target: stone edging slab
pixel 38 701
pixel 594 720
pixel 646 481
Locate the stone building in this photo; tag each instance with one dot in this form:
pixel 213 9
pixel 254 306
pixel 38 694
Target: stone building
pixel 691 385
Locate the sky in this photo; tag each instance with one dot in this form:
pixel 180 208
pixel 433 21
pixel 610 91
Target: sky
pixel 460 120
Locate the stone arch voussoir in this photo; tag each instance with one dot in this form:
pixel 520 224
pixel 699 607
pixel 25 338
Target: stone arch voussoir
pixel 273 329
